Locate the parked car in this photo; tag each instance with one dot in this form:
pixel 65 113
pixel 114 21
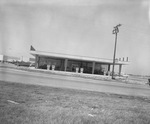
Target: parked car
pixel 22 63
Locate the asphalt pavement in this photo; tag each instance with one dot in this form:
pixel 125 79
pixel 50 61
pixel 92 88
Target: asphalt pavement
pixel 39 78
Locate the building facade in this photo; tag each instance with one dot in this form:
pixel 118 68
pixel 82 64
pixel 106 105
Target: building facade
pixel 72 63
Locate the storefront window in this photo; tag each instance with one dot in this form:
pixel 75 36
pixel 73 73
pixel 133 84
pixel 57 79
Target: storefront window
pixel 87 67
pixel 58 63
pixel 73 64
pixel 100 68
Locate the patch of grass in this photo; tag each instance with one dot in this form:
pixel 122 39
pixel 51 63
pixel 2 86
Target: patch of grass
pixel 47 105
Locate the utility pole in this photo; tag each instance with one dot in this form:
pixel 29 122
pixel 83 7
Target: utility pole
pixel 115 31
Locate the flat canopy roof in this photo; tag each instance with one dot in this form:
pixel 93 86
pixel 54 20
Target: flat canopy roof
pixel 75 57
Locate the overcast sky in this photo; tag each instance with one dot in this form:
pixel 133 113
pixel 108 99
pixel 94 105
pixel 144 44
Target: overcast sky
pixel 78 27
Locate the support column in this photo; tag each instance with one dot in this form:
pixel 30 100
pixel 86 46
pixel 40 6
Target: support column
pixel 120 67
pixel 93 67
pixel 62 65
pixel 66 62
pixel 109 67
pixel 36 61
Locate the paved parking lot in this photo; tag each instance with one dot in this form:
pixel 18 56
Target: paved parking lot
pixel 27 77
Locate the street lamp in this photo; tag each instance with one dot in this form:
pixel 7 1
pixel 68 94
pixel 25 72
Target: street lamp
pixel 115 31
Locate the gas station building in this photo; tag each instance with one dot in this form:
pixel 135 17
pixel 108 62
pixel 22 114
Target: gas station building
pixel 73 63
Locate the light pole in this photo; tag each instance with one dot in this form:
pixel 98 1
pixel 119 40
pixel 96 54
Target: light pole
pixel 115 31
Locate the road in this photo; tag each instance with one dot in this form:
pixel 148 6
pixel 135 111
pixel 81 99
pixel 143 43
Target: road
pixel 38 78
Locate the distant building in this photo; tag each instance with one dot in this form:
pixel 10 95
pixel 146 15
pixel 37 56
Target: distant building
pixel 73 63
pixel 1 58
pixel 4 58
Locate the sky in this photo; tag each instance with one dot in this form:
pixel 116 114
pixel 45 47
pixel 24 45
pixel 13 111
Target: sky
pixel 78 27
